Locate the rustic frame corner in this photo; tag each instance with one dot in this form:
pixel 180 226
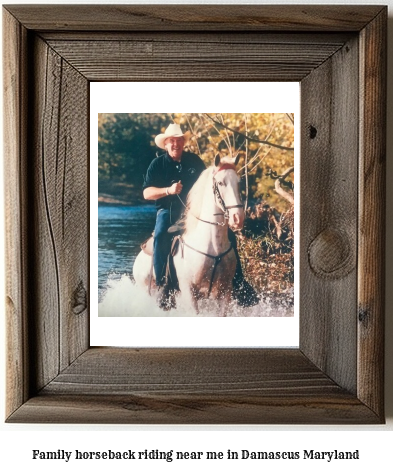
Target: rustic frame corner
pixel 338 54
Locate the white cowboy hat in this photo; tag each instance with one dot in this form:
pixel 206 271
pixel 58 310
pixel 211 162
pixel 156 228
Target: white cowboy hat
pixel 173 130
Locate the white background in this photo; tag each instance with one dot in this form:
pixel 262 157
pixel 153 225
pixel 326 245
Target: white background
pixel 374 442
pixel 122 97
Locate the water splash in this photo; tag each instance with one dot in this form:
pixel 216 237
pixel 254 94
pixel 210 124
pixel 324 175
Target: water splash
pixel 123 299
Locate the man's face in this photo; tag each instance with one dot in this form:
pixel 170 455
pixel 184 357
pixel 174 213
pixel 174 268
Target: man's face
pixel 174 146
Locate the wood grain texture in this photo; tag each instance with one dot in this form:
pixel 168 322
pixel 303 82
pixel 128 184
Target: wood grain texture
pixel 239 409
pixel 60 217
pixel 328 252
pixel 200 386
pixel 372 195
pixel 200 37
pixel 52 374
pixel 187 17
pixel 155 59
pixel 198 371
pixel 15 40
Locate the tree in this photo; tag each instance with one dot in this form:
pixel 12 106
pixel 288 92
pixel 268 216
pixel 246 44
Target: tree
pixel 265 142
pixel 125 145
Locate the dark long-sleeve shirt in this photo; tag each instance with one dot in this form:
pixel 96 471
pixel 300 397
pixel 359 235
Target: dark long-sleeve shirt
pixel 164 171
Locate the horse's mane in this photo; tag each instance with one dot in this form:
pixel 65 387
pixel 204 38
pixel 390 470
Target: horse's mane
pixel 195 199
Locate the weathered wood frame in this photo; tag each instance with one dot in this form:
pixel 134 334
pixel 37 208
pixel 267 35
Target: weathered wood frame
pixel 338 54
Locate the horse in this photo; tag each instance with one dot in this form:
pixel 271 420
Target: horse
pixel 205 262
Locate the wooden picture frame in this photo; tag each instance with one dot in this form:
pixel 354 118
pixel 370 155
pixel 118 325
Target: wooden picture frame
pixel 338 54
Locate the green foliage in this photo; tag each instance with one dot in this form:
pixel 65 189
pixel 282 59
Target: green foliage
pixel 126 145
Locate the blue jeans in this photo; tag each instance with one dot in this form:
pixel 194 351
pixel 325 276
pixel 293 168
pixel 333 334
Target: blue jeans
pixel 162 244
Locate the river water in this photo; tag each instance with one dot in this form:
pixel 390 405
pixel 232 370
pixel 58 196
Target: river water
pixel 121 230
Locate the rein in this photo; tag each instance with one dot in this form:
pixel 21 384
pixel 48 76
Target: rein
pixel 202 220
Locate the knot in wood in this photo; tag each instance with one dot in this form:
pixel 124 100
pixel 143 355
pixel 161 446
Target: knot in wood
pixel 363 315
pixel 80 299
pixel 313 132
pixel 330 254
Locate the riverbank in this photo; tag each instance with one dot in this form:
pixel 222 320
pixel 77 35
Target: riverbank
pixel 114 193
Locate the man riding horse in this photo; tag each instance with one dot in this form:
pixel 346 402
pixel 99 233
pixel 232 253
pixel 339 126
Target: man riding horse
pixel 168 180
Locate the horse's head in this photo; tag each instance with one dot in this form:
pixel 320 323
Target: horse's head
pixel 226 190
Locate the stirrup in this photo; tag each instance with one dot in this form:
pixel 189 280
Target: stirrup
pixel 175 229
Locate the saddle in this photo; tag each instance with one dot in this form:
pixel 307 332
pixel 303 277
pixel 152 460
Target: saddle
pixel 175 230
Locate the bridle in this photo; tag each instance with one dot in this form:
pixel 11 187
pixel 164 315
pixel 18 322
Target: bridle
pixel 219 199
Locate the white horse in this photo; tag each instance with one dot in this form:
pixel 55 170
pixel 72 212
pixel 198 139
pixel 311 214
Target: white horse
pixel 205 261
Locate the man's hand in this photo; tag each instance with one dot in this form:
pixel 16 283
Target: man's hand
pixel 152 194
pixel 176 188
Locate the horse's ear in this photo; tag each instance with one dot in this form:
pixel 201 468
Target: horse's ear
pixel 236 160
pixel 217 160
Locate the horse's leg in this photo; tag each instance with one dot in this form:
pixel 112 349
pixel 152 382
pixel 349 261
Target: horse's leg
pixel 224 304
pixel 188 292
pixel 194 303
pixel 194 299
pixel 189 298
pixel 224 299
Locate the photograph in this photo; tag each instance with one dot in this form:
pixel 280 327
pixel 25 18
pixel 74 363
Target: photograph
pixel 196 214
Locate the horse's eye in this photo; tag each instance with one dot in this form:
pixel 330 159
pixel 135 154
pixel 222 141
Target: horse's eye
pixel 220 183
